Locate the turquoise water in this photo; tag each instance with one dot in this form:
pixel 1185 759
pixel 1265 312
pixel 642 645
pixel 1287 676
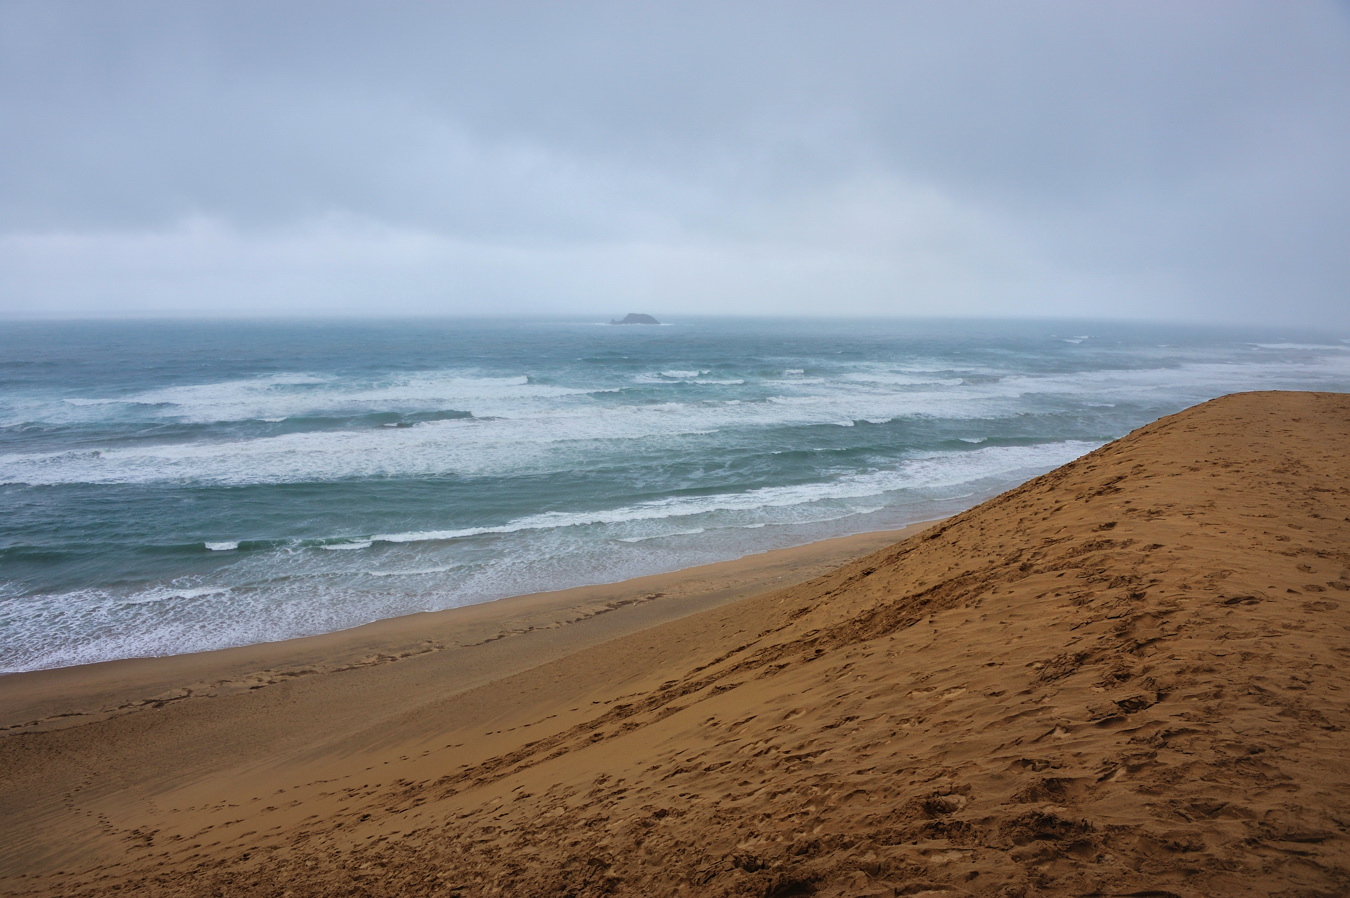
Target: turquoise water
pixel 168 487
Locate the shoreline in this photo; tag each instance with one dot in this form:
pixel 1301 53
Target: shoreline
pixel 62 697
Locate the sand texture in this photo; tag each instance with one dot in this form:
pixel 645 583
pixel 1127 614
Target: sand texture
pixel 1127 677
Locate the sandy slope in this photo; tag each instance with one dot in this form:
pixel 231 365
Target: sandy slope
pixel 1125 677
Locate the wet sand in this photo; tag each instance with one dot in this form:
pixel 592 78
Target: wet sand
pixel 1128 676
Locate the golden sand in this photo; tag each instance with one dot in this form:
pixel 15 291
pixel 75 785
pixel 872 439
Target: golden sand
pixel 1128 676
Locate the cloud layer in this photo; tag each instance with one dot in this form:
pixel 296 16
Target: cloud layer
pixel 1123 159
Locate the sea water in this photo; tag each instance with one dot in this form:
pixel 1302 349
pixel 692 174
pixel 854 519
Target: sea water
pixel 170 487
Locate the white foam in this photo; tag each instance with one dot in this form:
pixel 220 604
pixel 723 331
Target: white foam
pixel 1312 347
pixel 552 432
pixel 346 547
pixel 226 546
pixel 898 379
pixel 920 472
pixel 681 377
pixel 276 398
pixel 662 535
pixel 419 572
pixel 418 536
pixel 82 402
pixel 88 625
pixel 158 594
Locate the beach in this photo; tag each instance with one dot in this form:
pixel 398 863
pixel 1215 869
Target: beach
pixel 1123 677
pixel 487 641
pixel 893 450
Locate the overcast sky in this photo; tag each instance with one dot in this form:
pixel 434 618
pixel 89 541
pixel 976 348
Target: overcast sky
pixel 1130 159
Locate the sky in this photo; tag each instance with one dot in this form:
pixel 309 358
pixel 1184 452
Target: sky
pixel 1174 160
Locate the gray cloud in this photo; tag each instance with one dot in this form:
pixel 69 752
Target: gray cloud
pixel 1131 159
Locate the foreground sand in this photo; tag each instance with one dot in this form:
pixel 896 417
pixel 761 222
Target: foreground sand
pixel 1126 677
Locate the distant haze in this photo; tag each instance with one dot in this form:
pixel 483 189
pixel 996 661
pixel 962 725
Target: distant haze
pixel 1117 159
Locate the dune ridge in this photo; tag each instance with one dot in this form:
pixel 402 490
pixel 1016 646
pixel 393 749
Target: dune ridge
pixel 1126 677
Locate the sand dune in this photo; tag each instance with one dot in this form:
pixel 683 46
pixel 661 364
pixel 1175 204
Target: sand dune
pixel 1127 677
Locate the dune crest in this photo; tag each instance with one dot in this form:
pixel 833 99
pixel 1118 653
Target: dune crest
pixel 1128 676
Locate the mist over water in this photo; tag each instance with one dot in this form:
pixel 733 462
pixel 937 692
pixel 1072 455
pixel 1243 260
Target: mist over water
pixel 175 487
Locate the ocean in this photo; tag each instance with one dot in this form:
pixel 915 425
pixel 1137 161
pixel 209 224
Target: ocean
pixel 171 487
